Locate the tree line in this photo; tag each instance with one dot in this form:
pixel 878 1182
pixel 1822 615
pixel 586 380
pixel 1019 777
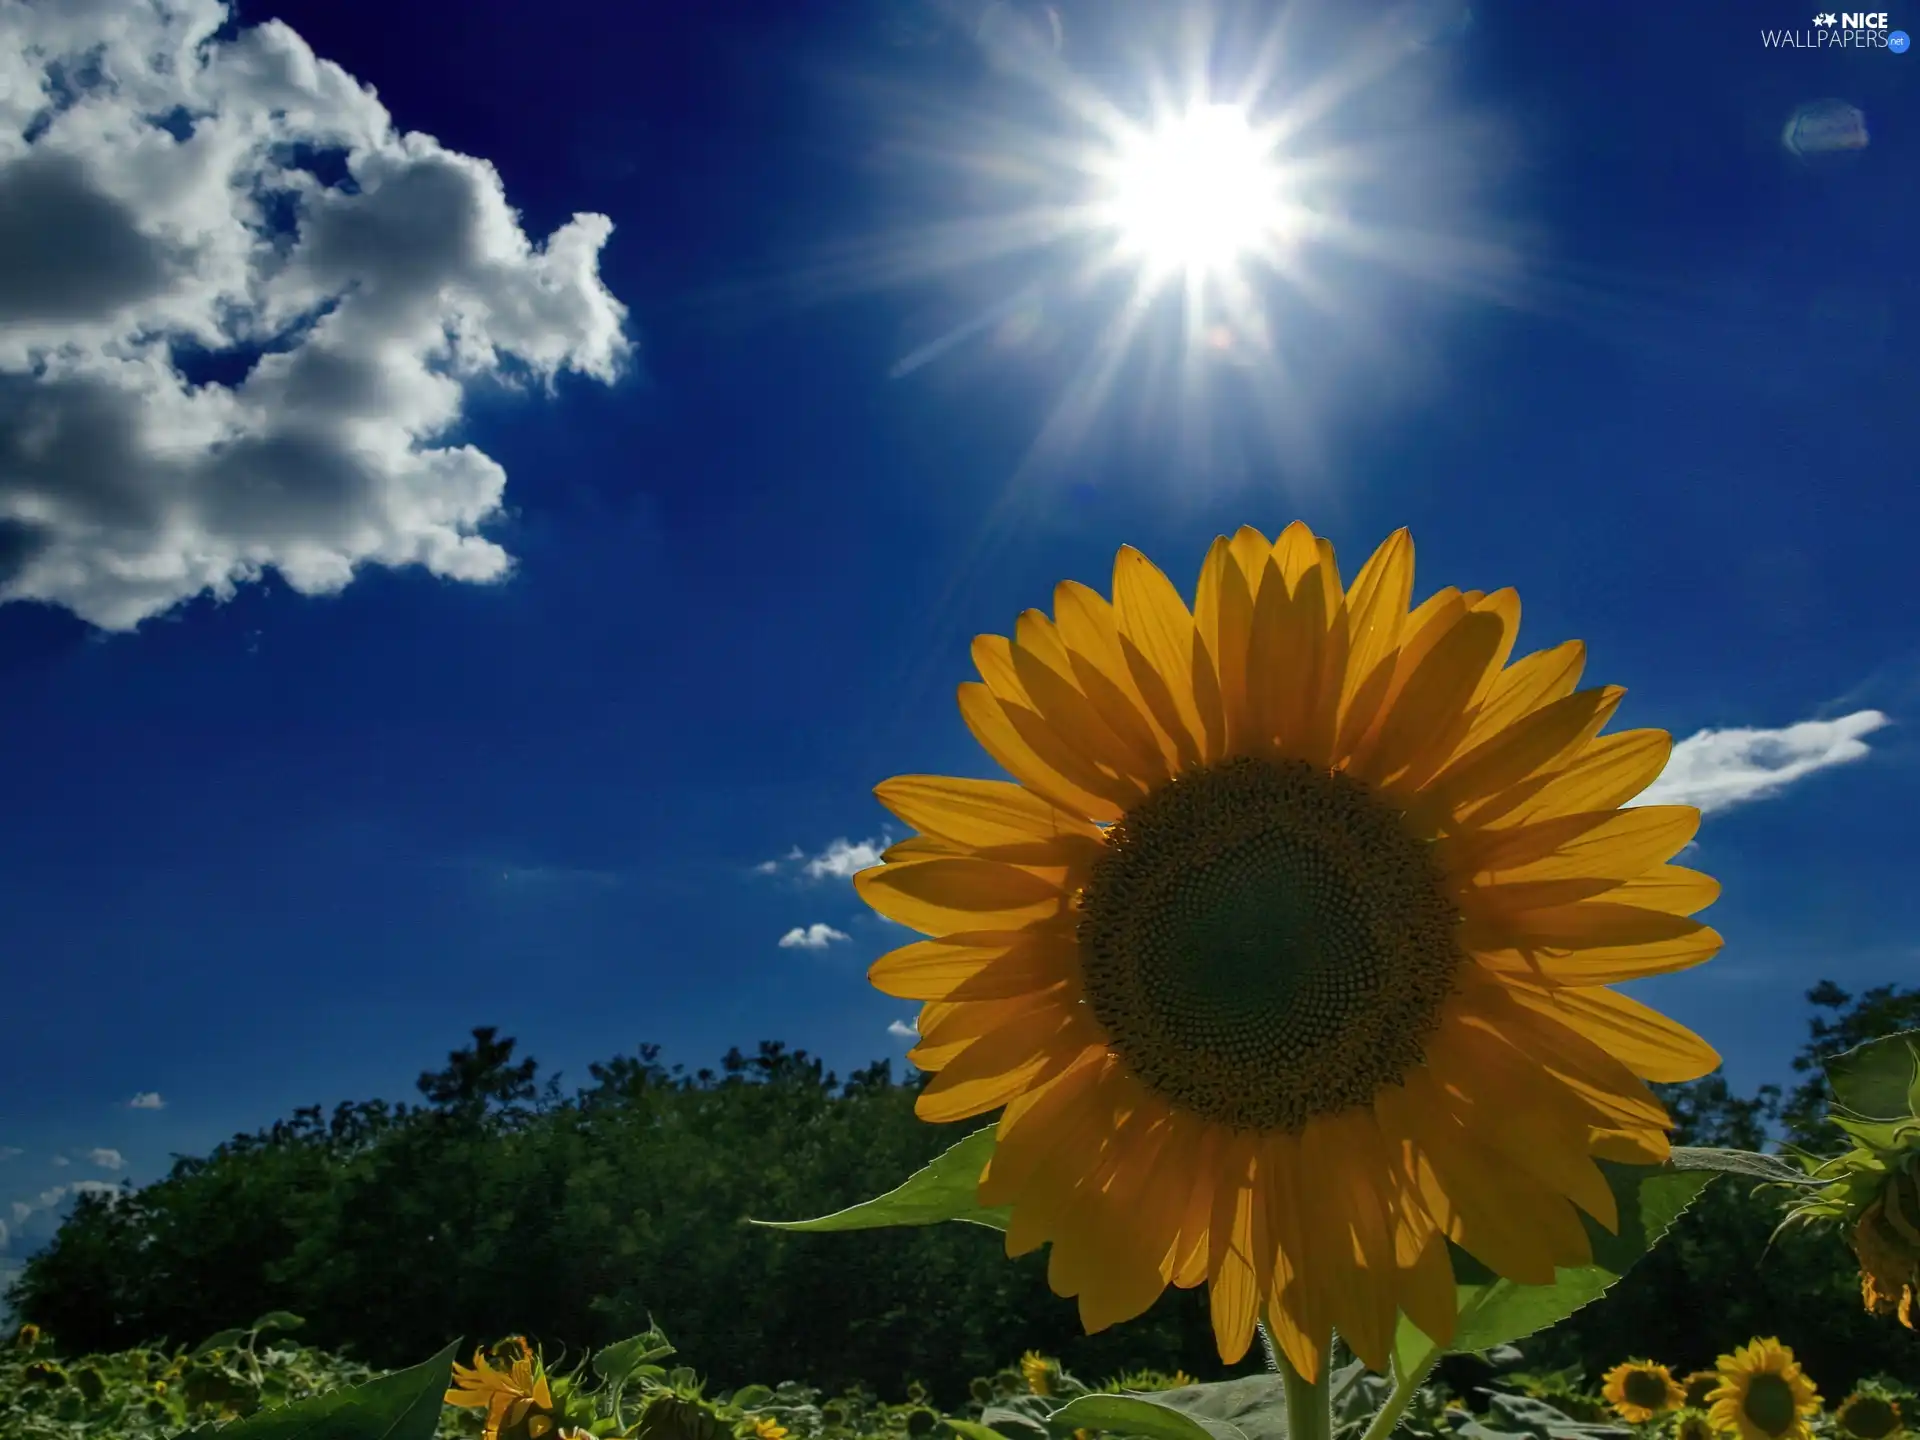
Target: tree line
pixel 496 1204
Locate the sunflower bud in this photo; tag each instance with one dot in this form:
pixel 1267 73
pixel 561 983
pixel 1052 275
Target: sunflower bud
pixel 27 1337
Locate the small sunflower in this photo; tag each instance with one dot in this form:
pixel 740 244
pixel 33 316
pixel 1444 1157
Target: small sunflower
pixel 26 1337
pixel 1691 1424
pixel 1864 1415
pixel 1638 1390
pixel 1288 953
pixel 1038 1372
pixel 1763 1394
pixel 511 1397
pixel 765 1427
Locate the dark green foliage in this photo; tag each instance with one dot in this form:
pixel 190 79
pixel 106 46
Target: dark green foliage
pixel 499 1206
pixel 497 1209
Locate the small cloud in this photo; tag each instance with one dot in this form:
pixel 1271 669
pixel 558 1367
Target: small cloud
pixel 844 858
pixel 1718 769
pixel 95 1187
pixel 8 1152
pixel 904 1030
pixel 147 1100
pixel 816 936
pixel 21 1210
pixel 60 1162
pixel 767 867
pixel 774 867
pixel 106 1158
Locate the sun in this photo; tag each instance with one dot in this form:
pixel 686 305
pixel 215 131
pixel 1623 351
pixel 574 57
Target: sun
pixel 1199 193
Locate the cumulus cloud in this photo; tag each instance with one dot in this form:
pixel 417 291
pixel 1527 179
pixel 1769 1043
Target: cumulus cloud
pixel 816 936
pixel 904 1030
pixel 240 311
pixel 106 1158
pixel 147 1100
pixel 1717 769
pixel 843 858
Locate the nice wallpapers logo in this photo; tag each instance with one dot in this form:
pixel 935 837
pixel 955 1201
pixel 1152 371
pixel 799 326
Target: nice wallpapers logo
pixel 1845 30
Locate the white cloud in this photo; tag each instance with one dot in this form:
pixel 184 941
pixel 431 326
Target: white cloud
pixel 1717 769
pixel 238 213
pixel 60 1162
pixel 816 936
pixel 147 1100
pixel 904 1030
pixel 107 1159
pixel 96 1187
pixel 8 1152
pixel 843 858
pixel 21 1211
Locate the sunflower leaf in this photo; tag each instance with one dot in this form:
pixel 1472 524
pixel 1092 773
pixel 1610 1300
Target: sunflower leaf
pixel 1496 1311
pixel 971 1429
pixel 405 1405
pixel 1251 1408
pixel 1880 1079
pixel 945 1189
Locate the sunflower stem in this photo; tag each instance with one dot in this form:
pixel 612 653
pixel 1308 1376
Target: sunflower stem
pixel 1404 1385
pixel 1309 1402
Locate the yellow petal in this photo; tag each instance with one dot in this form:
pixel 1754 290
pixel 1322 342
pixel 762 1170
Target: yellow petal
pixel 1045 670
pixel 1432 706
pixel 1523 687
pixel 1085 623
pixel 1296 550
pixel 1283 659
pixel 1170 666
pixel 1486 781
pixel 1010 744
pixel 1645 1041
pixel 976 965
pixel 977 812
pixel 1238 1265
pixel 1604 776
pixel 1028 1131
pixel 940 897
pixel 1613 843
pixel 1376 610
pixel 1009 1060
pixel 1223 614
pixel 1603 961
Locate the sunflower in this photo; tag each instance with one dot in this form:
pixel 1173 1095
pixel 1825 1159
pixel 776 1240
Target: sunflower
pixel 1763 1394
pixel 765 1427
pixel 1691 1424
pixel 511 1396
pixel 1287 955
pixel 1038 1372
pixel 1638 1390
pixel 1864 1415
pixel 1697 1387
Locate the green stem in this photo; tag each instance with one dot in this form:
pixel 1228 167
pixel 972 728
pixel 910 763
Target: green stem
pixel 1404 1387
pixel 1309 1402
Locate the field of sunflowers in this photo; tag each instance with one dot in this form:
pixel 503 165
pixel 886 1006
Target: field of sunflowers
pixel 260 1382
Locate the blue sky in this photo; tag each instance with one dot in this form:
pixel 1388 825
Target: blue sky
pixel 423 613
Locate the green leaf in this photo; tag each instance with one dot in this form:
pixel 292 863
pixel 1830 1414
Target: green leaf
pixel 1014 1420
pixel 1521 1415
pixel 405 1405
pixel 277 1320
pixel 1496 1311
pixel 220 1340
pixel 621 1359
pixel 972 1429
pixel 1251 1408
pixel 1879 1080
pixel 751 1397
pixel 946 1189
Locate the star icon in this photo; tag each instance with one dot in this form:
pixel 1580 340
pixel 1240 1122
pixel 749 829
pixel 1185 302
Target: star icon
pixel 1824 18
